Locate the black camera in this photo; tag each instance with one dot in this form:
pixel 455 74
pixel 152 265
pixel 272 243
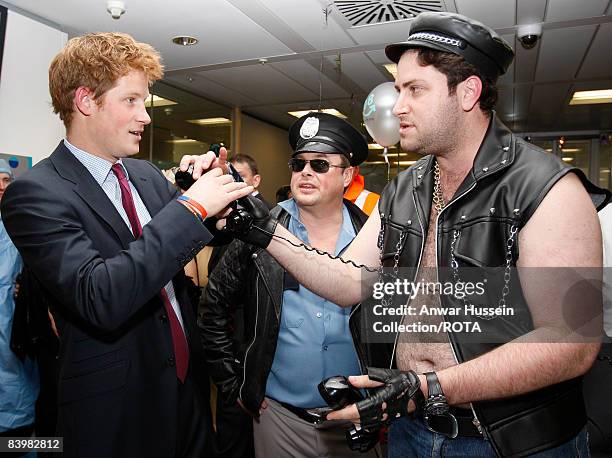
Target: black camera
pixel 338 393
pixel 216 147
pixel 239 220
pixel 184 180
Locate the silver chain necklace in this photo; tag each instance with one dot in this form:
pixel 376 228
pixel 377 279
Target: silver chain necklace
pixel 438 197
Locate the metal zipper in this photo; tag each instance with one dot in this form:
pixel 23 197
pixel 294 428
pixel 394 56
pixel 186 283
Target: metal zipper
pixel 246 353
pixel 277 311
pixel 355 346
pixel 277 308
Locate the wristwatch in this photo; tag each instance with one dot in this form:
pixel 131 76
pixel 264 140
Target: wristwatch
pixel 436 411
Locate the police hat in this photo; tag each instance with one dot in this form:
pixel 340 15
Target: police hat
pixel 478 44
pixel 324 133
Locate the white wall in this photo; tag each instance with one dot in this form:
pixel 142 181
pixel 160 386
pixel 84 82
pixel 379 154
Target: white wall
pixel 269 146
pixel 28 126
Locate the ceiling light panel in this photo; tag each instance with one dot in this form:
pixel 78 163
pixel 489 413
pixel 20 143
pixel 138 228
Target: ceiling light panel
pixel 331 111
pixel 591 97
pixel 210 121
pixel 184 40
pixel 391 68
pixel 159 102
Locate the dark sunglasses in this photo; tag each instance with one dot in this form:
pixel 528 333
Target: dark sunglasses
pixel 317 165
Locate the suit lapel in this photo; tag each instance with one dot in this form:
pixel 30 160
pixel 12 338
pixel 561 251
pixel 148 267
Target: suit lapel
pixel 145 187
pixel 71 169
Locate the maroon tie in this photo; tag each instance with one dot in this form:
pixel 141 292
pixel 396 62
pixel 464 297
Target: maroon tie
pixel 179 341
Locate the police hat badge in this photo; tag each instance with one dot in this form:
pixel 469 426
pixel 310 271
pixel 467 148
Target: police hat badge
pixel 310 127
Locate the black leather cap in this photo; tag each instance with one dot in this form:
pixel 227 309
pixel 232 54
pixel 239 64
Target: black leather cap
pixel 324 133
pixel 475 42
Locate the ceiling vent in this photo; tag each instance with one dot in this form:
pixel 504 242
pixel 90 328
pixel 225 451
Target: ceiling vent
pixel 365 12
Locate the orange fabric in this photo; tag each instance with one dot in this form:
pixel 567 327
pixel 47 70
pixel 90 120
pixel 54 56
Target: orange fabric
pixel 370 203
pixel 355 188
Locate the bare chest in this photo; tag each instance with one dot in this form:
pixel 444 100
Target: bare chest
pixel 425 351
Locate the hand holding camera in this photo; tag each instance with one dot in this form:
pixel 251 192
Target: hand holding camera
pixel 399 387
pixel 338 393
pixel 197 165
pixel 391 387
pixel 215 191
pixel 204 179
pixel 251 222
pixel 249 219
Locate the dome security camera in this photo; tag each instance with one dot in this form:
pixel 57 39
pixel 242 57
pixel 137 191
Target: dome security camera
pixel 529 35
pixel 115 8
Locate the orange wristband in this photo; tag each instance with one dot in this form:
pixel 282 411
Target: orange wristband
pixel 191 210
pixel 196 205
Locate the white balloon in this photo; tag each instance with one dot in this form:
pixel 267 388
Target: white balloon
pixel 378 115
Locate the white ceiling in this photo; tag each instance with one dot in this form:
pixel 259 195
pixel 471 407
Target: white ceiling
pixel 312 56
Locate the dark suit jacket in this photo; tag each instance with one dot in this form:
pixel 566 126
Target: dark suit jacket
pixel 117 387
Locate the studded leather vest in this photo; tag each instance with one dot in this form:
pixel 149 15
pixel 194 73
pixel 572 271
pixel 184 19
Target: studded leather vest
pixel 479 227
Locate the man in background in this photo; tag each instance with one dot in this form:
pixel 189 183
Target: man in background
pixel 283 193
pixel 294 338
pixel 246 166
pixel 19 383
pixel 6 176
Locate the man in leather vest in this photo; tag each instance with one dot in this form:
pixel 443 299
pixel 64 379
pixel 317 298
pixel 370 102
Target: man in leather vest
pixel 481 197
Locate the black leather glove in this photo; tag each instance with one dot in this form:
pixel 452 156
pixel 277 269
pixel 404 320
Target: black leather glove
pixel 337 392
pixel 399 388
pixel 250 221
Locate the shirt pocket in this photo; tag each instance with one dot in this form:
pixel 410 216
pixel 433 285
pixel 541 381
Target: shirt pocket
pixel 396 239
pixel 293 322
pixel 485 242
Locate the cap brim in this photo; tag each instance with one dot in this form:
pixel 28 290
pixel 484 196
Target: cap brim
pixel 394 52
pixel 317 147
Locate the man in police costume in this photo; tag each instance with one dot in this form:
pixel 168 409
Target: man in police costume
pixel 293 338
pixel 495 197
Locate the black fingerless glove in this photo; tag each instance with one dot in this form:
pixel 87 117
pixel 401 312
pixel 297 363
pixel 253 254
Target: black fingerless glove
pixel 399 388
pixel 250 221
pixel 337 392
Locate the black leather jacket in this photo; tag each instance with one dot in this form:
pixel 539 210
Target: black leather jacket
pixel 509 179
pixel 250 275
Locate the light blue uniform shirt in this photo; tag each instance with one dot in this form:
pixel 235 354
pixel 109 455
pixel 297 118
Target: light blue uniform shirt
pixel 314 340
pixel 100 170
pixel 19 382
